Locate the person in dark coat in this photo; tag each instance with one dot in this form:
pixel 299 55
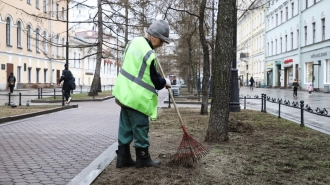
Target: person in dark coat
pixel 251 83
pixel 66 77
pixel 11 82
pixel 295 87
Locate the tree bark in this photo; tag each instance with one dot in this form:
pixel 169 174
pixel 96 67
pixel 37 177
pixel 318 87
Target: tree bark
pixel 96 79
pixel 224 52
pixel 206 57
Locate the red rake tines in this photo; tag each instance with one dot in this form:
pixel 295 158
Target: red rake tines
pixel 190 150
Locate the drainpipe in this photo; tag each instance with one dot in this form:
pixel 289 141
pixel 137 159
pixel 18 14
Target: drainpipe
pixel 50 49
pixel 265 48
pixel 299 44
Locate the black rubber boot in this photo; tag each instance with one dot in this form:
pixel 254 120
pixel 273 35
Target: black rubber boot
pixel 124 158
pixel 143 158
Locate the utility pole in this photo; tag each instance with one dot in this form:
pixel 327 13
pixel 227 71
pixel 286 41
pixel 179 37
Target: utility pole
pixel 67 34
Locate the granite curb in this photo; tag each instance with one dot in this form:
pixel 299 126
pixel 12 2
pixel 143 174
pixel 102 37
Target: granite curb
pixel 28 115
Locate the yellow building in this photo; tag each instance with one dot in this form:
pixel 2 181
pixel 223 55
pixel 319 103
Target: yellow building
pixel 34 33
pixel 250 44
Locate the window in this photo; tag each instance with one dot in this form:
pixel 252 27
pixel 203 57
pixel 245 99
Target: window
pixel 275 46
pixel 63 14
pixel 272 23
pixel 19 34
pixel 297 38
pixel 281 45
pixel 281 17
pixel 29 74
pixel 272 49
pixel 323 29
pixel 276 19
pixel 305 35
pixel 74 59
pixel 63 46
pixel 268 49
pixel 286 43
pixel 286 13
pixel 37 75
pixel 313 32
pixel 29 37
pixel 291 40
pixel 309 72
pixel 52 44
pixel 45 75
pixel 45 42
pixel 38 40
pixel 79 61
pixel 57 9
pixel 327 71
pixel 314 1
pixel 57 46
pixel 37 4
pixel 306 4
pixel 8 32
pixel 28 1
pixel 45 6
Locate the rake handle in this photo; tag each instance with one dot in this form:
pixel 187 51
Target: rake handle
pixel 171 95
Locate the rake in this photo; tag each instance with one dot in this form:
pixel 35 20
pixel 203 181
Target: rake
pixel 189 150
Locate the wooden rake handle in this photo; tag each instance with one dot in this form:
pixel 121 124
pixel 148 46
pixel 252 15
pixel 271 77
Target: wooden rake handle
pixel 170 92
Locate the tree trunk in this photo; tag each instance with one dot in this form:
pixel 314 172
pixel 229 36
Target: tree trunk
pixel 96 79
pixel 224 53
pixel 206 57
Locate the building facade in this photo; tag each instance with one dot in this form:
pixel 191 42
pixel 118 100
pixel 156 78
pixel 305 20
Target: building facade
pixel 250 44
pixel 32 43
pixel 297 43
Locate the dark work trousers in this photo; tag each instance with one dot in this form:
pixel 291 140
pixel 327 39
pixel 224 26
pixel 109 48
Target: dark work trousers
pixel 11 87
pixel 295 89
pixel 133 125
pixel 66 94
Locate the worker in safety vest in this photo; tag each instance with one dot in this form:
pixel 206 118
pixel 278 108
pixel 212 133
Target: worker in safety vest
pixel 135 91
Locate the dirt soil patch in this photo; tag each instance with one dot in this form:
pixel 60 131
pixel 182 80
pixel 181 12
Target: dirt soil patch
pixel 262 149
pixel 7 111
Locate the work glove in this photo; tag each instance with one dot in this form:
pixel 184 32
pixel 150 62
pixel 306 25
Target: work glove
pixel 168 83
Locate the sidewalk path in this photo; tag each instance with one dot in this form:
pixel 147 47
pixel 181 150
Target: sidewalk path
pixel 55 148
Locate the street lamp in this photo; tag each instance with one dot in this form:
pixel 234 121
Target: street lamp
pixel 234 105
pixel 67 34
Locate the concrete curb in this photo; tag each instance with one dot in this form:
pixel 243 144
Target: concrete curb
pixel 28 115
pixel 78 100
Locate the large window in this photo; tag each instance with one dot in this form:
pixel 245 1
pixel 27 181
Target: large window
pixel 286 13
pixel 276 19
pixel 29 74
pixel 292 6
pixel 291 40
pixel 45 75
pixel 323 29
pixel 314 32
pixel 19 74
pixel 57 10
pixel 281 17
pixel 37 74
pixel 8 32
pixel 286 43
pixel 63 46
pixel 19 34
pixel 37 4
pixel 45 42
pixel 272 49
pixel 38 40
pixel 275 46
pixel 29 37
pixel 297 38
pixel 63 15
pixel 309 72
pixel 306 4
pixel 28 1
pixel 327 71
pixel 45 6
pixel 58 45
pixel 281 44
pixel 74 59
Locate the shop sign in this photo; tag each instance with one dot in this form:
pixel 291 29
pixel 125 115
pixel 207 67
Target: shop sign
pixel 288 61
pixel 269 64
pixel 317 55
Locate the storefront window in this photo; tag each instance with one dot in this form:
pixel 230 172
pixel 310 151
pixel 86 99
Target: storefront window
pixel 309 72
pixel 290 75
pixel 327 71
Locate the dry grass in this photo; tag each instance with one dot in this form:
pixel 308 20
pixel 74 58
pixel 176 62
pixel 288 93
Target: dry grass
pixel 7 111
pixel 262 150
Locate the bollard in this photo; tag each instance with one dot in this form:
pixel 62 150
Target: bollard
pixel 244 102
pixel 8 99
pixel 41 92
pixel 262 102
pixel 38 93
pixel 302 113
pixel 279 109
pixel 54 94
pixel 81 89
pixel 20 99
pixel 169 100
pixel 265 99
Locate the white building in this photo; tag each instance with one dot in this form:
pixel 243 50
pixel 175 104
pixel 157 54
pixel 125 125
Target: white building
pixel 297 43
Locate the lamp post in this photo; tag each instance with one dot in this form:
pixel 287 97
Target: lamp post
pixel 234 105
pixel 67 34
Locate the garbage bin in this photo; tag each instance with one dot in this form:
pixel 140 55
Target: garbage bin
pixel 326 89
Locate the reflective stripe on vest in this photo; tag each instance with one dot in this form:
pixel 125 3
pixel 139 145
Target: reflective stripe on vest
pixel 138 80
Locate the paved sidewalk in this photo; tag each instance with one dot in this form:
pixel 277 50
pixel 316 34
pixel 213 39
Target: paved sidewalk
pixel 56 148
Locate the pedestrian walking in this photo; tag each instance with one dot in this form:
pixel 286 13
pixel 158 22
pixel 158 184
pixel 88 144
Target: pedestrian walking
pixel 295 87
pixel 251 83
pixel 11 82
pixel 66 87
pixel 310 89
pixel 135 92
